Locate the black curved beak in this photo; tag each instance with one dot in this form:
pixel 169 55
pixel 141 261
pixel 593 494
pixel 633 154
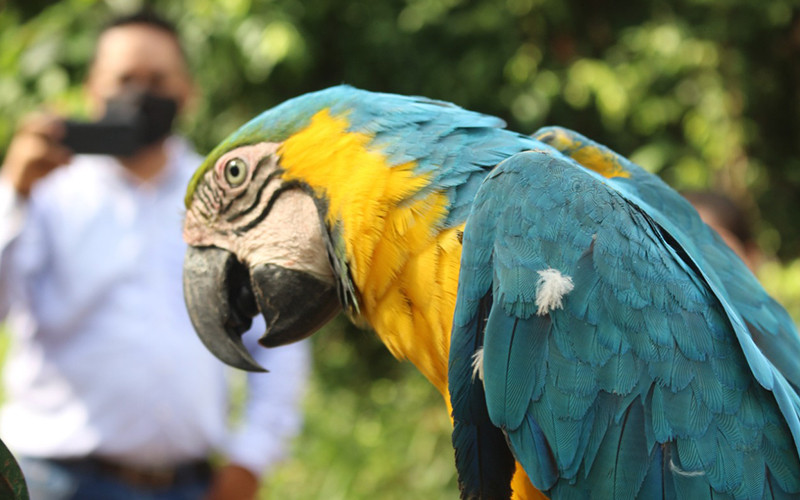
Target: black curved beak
pixel 294 304
pixel 216 288
pixel 222 296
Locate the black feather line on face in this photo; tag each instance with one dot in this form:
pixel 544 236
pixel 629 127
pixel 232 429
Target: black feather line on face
pixel 259 165
pixel 202 196
pixel 216 195
pixel 264 185
pixel 288 186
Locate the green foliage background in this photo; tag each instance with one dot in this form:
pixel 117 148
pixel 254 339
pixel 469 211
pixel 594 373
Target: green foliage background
pixel 706 93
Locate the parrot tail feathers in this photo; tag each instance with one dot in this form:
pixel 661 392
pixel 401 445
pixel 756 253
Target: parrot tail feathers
pixel 484 461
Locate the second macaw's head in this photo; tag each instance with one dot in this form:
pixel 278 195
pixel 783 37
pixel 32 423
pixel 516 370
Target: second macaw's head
pixel 316 205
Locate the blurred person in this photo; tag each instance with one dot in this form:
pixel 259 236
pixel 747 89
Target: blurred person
pixel 730 221
pixel 110 394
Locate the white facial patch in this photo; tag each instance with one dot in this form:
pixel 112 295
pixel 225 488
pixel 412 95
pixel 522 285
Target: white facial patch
pixel 207 221
pixel 550 290
pixel 260 219
pixel 290 236
pixel 477 364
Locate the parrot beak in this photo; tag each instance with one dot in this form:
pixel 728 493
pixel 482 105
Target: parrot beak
pixel 222 297
pixel 295 304
pixel 216 288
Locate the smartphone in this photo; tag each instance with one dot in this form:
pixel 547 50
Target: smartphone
pixel 103 138
pixel 132 120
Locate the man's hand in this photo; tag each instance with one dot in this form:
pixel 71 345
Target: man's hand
pixel 232 482
pixel 34 152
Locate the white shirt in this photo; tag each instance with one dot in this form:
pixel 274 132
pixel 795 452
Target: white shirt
pixel 104 359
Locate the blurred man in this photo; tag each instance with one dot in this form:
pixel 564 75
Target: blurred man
pixel 109 392
pixel 729 221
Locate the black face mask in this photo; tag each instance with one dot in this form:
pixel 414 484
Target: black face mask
pixel 133 120
pixel 152 115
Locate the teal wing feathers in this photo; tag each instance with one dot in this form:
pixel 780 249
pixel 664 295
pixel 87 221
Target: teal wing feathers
pixel 618 359
pixel 771 327
pixel 482 456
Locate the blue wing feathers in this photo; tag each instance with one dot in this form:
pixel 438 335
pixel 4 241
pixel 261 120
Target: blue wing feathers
pixel 482 454
pixel 485 462
pixel 656 484
pixel 512 372
pixel 730 274
pixel 620 375
pixel 649 381
pixel 543 469
pixel 622 459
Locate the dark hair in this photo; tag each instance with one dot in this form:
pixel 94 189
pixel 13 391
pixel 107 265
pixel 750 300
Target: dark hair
pixel 729 214
pixel 146 17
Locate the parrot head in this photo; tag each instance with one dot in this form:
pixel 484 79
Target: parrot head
pixel 317 205
pixel 249 231
pixel 257 243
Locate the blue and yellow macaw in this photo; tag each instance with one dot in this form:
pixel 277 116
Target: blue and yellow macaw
pixel 590 335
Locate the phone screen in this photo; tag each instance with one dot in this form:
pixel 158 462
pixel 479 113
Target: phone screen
pixel 117 139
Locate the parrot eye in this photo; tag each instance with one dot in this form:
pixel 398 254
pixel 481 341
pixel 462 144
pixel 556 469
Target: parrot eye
pixel 235 171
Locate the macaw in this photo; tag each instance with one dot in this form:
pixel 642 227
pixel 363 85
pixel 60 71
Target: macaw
pixel 592 338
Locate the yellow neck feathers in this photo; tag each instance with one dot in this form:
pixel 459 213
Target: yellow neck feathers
pixel 404 265
pixel 603 162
